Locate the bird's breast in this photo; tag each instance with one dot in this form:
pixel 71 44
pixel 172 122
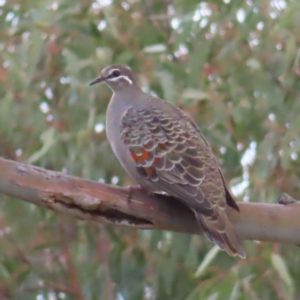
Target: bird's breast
pixel 114 118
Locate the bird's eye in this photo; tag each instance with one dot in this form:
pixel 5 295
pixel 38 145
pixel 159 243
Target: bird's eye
pixel 116 73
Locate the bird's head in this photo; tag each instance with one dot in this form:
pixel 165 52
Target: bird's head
pixel 116 77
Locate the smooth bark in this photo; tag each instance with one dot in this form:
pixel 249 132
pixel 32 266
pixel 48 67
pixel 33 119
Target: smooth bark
pixel 92 201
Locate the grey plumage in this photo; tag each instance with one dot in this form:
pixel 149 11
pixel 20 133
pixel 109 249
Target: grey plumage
pixel 162 149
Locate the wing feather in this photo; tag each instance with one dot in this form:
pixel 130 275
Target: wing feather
pixel 170 150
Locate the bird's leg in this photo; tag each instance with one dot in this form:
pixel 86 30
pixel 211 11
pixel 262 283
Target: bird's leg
pixel 286 199
pixel 138 188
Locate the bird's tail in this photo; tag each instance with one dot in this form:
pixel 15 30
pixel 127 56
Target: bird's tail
pixel 218 228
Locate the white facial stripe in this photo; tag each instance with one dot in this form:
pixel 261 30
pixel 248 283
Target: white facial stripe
pixel 122 76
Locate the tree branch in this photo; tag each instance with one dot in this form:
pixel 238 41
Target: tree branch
pixel 92 201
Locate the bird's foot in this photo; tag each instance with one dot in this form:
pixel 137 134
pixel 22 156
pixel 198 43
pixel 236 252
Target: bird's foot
pixel 286 199
pixel 137 188
pixel 133 188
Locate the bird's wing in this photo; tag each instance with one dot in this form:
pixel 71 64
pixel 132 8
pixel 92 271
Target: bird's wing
pixel 170 151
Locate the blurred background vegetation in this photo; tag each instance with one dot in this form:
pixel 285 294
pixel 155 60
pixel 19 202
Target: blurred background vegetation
pixel 233 65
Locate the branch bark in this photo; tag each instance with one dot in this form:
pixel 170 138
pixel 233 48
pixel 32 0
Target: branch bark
pixel 92 201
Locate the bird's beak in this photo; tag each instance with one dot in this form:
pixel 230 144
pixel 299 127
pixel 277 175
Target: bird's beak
pixel 97 80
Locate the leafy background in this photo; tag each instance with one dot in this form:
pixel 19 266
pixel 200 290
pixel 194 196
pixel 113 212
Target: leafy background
pixel 233 65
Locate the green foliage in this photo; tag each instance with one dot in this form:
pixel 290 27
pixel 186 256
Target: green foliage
pixel 233 65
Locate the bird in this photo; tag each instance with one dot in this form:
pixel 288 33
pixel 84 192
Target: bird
pixel 164 151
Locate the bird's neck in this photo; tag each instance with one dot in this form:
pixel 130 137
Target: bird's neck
pixel 127 96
